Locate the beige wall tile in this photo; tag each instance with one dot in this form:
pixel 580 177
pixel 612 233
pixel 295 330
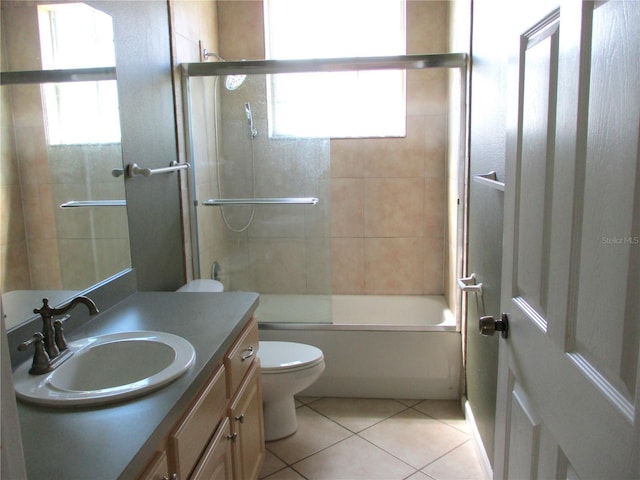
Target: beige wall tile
pixel 112 256
pixel 347 266
pixel 187 50
pixel 435 210
pixel 435 146
pixel 241 30
pixel 397 157
pixel 15 273
pixel 280 265
pixel 76 252
pixel 427 92
pixel 347 158
pixel 26 107
pixel 45 265
pixel 347 207
pixel 19 21
pixel 185 14
pixel 8 166
pixel 11 215
pixel 318 265
pixel 427 26
pixel 434 265
pixel 394 207
pixel 32 155
pixel 394 266
pixel 209 24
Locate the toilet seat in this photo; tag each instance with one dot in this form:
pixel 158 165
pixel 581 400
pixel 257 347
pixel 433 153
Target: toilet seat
pixel 283 357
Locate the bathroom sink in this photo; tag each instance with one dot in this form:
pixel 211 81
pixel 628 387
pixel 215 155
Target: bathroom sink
pixel 108 368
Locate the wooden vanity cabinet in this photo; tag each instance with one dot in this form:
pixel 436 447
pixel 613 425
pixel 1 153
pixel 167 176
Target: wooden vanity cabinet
pixel 221 435
pixel 247 426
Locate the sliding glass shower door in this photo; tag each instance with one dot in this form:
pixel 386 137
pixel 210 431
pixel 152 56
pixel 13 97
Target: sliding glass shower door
pixel 261 200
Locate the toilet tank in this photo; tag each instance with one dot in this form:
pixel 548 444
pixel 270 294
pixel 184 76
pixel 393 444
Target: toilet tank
pixel 203 285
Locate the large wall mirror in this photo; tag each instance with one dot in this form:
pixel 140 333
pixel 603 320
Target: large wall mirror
pixel 63 226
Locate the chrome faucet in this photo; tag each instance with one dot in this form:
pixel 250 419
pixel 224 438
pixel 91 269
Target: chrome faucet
pixel 50 345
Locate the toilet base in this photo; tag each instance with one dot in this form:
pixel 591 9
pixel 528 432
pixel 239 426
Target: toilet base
pixel 279 418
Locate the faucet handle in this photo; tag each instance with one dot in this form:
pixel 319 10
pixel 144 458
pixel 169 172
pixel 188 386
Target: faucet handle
pixel 61 342
pixel 37 337
pixel 45 309
pixel 40 358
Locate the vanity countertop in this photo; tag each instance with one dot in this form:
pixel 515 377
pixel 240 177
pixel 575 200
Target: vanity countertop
pixel 117 440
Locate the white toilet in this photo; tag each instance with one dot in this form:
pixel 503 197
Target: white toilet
pixel 287 369
pixel 202 285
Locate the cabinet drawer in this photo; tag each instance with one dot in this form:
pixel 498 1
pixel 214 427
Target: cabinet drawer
pixel 241 357
pixel 192 435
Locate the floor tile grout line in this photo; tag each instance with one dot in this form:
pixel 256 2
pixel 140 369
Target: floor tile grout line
pixel 314 453
pixel 290 467
pixel 321 450
pixel 442 421
pixel 389 453
pixel 443 455
pixel 366 428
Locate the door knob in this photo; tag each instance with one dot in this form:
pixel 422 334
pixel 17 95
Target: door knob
pixel 489 325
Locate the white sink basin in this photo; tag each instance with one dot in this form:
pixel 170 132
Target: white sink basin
pixel 108 368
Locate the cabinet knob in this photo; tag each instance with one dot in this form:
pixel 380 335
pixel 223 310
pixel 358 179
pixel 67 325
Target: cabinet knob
pixel 240 418
pixel 233 437
pixel 172 477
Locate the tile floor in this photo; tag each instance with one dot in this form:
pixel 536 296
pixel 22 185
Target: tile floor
pixel 352 439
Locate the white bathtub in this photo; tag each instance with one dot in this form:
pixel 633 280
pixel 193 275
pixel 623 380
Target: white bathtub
pixel 376 346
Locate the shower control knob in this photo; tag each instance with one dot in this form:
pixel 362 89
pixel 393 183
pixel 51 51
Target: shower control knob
pixel 489 325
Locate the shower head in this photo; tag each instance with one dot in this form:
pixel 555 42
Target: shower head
pixel 231 82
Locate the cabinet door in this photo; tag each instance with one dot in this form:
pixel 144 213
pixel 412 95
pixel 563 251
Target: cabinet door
pixel 158 469
pixel 216 463
pixel 246 418
pixel 193 433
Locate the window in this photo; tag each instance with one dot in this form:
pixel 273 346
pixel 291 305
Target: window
pixel 77 36
pixel 340 104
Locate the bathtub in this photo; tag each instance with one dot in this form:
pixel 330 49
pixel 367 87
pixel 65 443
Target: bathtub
pixel 376 346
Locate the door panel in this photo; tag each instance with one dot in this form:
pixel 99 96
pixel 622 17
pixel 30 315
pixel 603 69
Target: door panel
pixel 524 435
pixel 568 382
pixel 539 76
pixel 606 311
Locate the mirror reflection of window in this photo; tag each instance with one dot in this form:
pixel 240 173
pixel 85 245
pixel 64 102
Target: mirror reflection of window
pixel 340 104
pixel 77 36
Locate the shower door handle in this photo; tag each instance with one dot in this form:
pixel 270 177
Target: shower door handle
pixel 468 284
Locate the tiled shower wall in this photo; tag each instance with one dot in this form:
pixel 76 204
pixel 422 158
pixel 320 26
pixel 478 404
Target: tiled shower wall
pixel 388 196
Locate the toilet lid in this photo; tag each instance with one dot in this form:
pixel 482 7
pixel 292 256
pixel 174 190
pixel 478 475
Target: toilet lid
pixel 278 356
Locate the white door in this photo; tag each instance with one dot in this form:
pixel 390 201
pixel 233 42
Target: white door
pixel 569 385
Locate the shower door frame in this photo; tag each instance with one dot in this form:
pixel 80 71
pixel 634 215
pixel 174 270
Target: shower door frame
pixel 325 65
